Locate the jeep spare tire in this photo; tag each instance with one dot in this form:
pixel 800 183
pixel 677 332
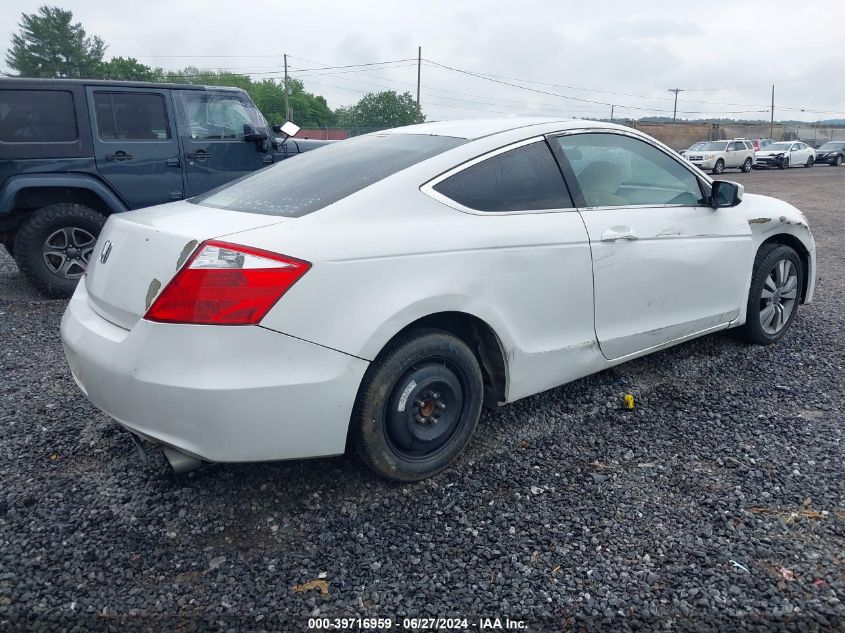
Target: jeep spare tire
pixel 54 245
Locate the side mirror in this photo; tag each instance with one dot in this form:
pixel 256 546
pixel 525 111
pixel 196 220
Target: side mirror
pixel 725 193
pixel 288 129
pixel 251 136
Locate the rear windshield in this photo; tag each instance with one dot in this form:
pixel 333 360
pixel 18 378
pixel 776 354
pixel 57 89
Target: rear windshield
pixel 313 180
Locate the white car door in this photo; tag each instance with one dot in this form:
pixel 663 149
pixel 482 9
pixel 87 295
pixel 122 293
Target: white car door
pixel 796 156
pixel 735 157
pixel 665 264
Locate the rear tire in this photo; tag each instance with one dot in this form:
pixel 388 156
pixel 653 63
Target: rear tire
pixel 55 244
pixel 746 166
pixel 774 295
pixel 719 167
pixel 810 162
pixel 418 405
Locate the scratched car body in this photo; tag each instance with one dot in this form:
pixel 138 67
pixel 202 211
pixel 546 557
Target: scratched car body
pixel 377 293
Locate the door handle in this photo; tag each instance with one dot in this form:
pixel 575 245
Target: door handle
pixel 200 154
pixel 615 233
pixel 173 162
pixel 120 155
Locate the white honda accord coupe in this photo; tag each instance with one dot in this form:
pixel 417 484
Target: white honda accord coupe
pixel 383 289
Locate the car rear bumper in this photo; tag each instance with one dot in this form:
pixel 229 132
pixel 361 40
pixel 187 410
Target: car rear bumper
pixel 222 394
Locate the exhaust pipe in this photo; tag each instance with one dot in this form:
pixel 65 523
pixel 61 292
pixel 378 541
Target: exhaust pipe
pixel 179 461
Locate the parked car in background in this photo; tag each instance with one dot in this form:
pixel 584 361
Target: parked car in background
pixel 832 153
pixel 72 152
pixel 717 156
pixel 785 154
pixel 760 143
pixel 382 289
pixel 692 148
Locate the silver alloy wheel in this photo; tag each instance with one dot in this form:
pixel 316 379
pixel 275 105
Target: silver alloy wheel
pixel 68 251
pixel 778 297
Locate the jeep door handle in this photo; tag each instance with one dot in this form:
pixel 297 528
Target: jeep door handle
pixel 616 233
pixel 200 154
pixel 119 156
pixel 173 162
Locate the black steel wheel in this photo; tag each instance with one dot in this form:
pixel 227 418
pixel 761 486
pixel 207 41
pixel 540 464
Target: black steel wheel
pixel 417 406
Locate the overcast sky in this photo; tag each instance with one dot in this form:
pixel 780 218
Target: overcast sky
pixel 725 55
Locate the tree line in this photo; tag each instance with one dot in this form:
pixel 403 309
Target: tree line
pixel 50 45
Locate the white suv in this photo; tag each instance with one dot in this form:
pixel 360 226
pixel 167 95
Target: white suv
pixel 717 156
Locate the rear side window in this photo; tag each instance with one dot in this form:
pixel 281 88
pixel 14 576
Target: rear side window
pixel 37 116
pixel 131 116
pixel 313 180
pixel 523 179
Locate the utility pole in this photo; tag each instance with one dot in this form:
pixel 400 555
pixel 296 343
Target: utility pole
pixel 611 112
pixel 419 72
pixel 772 122
pixel 675 111
pixel 287 91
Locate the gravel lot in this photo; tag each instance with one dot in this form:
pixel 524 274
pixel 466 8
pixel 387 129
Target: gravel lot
pixel 566 513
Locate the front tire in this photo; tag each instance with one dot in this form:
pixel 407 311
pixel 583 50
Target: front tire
pixel 53 247
pixel 8 240
pixel 418 406
pixel 719 167
pixel 776 286
pixel 784 164
pixel 746 166
pixel 837 161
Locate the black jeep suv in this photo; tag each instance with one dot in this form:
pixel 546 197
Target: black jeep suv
pixel 74 151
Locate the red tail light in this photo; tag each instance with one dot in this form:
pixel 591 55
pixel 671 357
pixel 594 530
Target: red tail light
pixel 226 284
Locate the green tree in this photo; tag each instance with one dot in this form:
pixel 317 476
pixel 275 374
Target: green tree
pixel 129 69
pixel 308 109
pixel 381 110
pixel 50 45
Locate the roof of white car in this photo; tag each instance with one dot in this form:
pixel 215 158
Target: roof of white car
pixel 478 128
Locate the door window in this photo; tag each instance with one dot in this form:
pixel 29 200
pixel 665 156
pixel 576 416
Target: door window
pixel 37 116
pixel 619 170
pixel 131 116
pixel 212 116
pixel 522 179
pixel 736 147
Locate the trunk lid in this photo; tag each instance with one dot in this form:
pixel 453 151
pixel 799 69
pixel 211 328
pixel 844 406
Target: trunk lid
pixel 146 248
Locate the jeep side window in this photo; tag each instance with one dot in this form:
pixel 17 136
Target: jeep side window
pixel 37 116
pixel 131 116
pixel 216 116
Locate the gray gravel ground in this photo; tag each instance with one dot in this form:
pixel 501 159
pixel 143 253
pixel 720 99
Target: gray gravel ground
pixel 567 512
